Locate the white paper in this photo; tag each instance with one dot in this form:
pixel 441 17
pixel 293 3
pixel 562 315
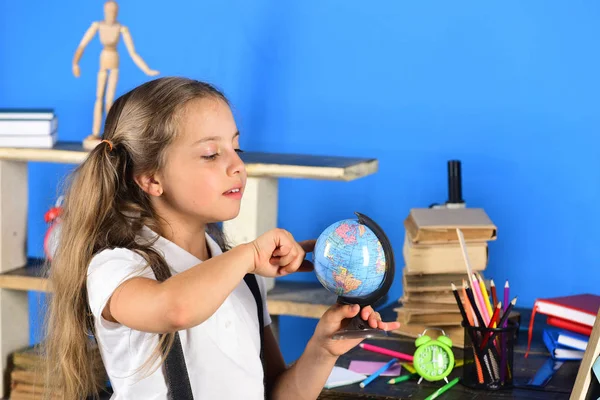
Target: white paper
pixel 341 376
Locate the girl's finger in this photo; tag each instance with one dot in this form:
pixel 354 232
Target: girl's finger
pixel 281 251
pixel 366 312
pixel 338 312
pixel 288 258
pixel 389 326
pixel 374 318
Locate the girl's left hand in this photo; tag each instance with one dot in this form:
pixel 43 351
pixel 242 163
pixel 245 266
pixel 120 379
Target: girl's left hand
pixel 334 319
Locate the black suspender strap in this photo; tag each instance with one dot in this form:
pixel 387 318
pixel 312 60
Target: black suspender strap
pixel 250 280
pixel 178 380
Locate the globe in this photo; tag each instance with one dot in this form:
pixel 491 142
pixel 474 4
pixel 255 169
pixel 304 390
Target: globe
pixel 353 259
pixel 349 259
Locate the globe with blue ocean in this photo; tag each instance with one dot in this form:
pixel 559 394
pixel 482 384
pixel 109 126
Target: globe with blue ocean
pixel 349 259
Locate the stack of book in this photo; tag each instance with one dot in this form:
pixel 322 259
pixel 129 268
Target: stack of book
pixel 571 318
pixel 433 260
pixel 27 377
pixel 30 128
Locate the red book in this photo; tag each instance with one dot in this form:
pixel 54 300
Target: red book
pixel 568 325
pixel 580 309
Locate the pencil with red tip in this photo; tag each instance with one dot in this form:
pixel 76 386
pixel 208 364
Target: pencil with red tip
pixel 494 295
pixel 492 324
pixel 504 319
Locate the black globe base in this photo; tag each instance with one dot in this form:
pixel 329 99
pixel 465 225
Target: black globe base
pixel 358 328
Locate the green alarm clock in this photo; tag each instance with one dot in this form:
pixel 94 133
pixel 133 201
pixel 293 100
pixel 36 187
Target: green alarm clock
pixel 433 359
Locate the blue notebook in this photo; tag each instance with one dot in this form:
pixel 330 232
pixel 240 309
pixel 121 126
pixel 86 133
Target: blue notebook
pixel 572 340
pixel 556 350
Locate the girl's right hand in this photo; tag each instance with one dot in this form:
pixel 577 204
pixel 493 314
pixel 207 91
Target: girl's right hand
pixel 276 253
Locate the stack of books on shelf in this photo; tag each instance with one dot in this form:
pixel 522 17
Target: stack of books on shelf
pixel 29 128
pixel 28 380
pixel 433 260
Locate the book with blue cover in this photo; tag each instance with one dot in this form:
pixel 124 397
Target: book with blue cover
pixel 572 340
pixel 558 351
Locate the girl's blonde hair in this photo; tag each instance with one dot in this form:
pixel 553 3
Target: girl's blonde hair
pixel 104 208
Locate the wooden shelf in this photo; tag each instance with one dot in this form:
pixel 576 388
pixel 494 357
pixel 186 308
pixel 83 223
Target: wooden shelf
pixel 30 277
pixel 300 299
pixel 276 165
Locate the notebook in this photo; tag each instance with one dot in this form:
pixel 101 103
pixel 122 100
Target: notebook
pixel 370 367
pixel 572 340
pixel 557 351
pixel 580 309
pixel 341 376
pixel 568 325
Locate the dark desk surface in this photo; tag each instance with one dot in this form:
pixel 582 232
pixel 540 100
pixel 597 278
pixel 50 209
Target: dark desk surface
pixel 559 387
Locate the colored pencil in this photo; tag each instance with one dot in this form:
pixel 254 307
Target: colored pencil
pixel 494 294
pixel 387 352
pixel 506 296
pixel 409 367
pixel 503 338
pixel 467 305
pixel 459 303
pixel 504 319
pixel 478 315
pixel 491 324
pixel 486 297
pixel 480 303
pixel 505 316
pixel 463 247
pixel 380 371
pixel 471 317
pixel 478 354
pixel 443 389
pixel 402 378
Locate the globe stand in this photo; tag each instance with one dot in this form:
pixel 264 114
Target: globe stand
pixel 358 328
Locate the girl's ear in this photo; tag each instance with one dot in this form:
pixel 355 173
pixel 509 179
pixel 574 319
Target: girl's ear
pixel 149 184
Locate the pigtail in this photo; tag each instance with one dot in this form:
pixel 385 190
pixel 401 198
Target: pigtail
pixel 87 206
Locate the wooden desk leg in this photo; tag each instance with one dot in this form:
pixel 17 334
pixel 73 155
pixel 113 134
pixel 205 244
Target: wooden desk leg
pixel 14 311
pixel 258 214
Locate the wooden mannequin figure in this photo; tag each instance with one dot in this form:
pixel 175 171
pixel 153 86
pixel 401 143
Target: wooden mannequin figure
pixel 110 30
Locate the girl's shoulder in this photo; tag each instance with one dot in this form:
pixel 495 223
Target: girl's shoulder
pixel 119 255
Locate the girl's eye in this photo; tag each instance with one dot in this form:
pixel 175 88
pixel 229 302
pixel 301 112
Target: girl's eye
pixel 239 151
pixel 211 157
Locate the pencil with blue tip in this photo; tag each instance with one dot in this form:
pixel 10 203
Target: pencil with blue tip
pixel 380 371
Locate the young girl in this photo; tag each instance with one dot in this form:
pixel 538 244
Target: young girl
pixel 143 266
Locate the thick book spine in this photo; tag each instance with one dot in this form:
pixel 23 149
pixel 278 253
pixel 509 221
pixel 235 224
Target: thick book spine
pixel 568 325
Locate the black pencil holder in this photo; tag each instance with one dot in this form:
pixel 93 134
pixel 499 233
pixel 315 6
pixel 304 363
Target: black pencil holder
pixel 489 362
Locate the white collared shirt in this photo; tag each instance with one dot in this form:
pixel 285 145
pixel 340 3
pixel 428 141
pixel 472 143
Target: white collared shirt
pixel 222 354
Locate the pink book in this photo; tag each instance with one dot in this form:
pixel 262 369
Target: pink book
pixel 369 367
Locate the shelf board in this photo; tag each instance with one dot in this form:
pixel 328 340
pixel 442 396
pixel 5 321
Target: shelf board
pixel 300 299
pixel 29 277
pixel 258 164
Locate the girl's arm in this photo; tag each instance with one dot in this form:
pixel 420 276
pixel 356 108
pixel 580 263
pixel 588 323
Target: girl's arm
pixel 305 379
pixel 183 300
pixel 190 297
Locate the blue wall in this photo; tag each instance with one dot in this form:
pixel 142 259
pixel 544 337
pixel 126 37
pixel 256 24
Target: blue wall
pixel 510 88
